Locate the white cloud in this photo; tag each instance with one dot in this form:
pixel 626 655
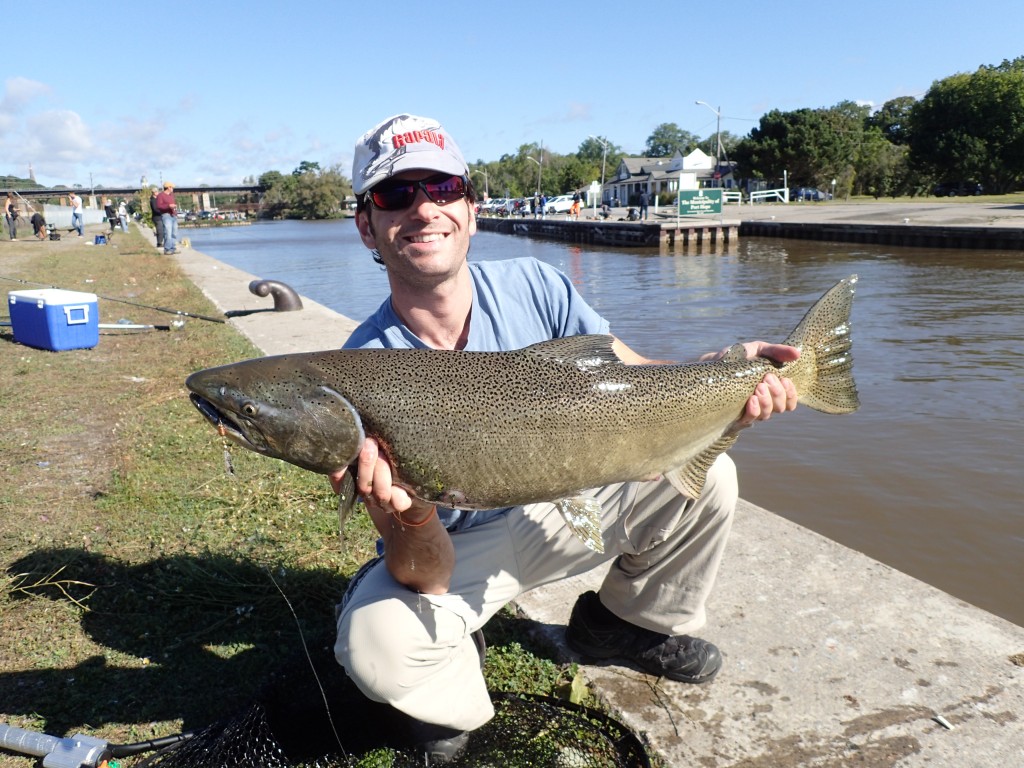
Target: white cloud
pixel 20 91
pixel 60 134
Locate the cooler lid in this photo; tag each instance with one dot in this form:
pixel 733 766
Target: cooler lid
pixel 52 296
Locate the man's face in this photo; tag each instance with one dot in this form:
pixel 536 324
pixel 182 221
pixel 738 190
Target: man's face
pixel 426 242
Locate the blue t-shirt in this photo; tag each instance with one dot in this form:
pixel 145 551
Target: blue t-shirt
pixel 516 303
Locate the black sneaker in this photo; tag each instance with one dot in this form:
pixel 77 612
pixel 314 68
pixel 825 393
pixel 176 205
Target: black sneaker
pixel 597 632
pixel 437 744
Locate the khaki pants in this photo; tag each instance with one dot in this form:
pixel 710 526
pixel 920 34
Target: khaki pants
pixel 414 651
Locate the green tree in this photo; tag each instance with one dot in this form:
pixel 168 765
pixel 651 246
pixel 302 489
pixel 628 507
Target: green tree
pixel 971 127
pixel 574 174
pixel 893 119
pixel 667 138
pixel 306 166
pixel 778 146
pixel 592 152
pixel 729 142
pixel 813 145
pixel 318 194
pixel 270 178
pixel 882 166
pixel 277 195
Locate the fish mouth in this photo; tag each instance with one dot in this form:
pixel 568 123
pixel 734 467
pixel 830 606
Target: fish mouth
pixel 224 422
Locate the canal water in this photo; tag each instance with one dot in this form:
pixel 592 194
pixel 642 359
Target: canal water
pixel 926 477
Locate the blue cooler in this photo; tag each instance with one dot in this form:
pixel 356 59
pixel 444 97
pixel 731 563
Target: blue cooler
pixel 55 319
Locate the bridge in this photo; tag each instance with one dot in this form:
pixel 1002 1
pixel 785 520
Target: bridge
pixel 60 215
pixel 63 192
pixel 93 198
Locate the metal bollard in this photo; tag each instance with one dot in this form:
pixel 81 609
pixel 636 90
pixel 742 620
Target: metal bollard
pixel 285 297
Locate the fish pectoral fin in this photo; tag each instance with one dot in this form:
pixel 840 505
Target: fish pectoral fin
pixel 689 479
pixel 583 516
pixel 346 501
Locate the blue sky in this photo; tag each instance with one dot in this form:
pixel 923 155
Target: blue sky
pixel 212 92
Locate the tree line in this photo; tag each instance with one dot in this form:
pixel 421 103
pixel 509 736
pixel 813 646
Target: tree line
pixel 968 127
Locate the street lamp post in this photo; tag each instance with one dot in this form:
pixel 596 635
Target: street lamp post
pixel 604 156
pixel 487 191
pixel 539 169
pixel 718 131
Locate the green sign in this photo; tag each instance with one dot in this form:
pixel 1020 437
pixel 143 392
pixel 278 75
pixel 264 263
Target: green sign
pixel 696 201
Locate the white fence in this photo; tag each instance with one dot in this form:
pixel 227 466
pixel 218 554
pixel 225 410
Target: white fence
pixel 766 195
pixel 59 216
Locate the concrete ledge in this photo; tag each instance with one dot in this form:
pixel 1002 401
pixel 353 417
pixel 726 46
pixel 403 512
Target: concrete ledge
pixel 831 659
pixel 310 329
pixel 904 235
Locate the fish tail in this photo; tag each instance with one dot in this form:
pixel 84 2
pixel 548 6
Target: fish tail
pixel 825 344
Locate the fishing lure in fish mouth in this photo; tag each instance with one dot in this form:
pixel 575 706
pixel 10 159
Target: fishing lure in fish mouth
pixel 229 464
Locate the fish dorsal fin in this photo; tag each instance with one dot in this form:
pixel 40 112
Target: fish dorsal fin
pixel 689 479
pixel 585 352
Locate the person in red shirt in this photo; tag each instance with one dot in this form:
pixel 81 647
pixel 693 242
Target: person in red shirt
pixel 168 209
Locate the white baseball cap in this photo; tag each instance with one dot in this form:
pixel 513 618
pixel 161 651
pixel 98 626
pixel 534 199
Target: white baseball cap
pixel 404 143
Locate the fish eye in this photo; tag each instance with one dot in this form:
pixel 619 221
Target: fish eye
pixel 250 409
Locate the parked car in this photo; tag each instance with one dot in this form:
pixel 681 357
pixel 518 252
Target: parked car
pixel 491 206
pixel 956 188
pixel 560 204
pixel 808 193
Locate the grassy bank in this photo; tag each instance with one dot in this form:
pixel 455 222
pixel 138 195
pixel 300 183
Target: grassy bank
pixel 143 590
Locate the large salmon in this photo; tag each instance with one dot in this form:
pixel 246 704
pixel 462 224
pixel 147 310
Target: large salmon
pixel 482 430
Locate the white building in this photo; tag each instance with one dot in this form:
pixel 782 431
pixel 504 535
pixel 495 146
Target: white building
pixel 661 175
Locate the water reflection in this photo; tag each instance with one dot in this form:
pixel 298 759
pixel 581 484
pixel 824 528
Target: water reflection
pixel 924 477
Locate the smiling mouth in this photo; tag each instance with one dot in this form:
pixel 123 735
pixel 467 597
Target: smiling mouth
pixel 434 237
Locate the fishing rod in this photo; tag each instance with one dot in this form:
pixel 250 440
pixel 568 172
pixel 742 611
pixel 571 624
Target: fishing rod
pixel 122 326
pixel 168 310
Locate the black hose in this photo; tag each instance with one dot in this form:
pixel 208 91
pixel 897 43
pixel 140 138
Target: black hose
pixel 124 750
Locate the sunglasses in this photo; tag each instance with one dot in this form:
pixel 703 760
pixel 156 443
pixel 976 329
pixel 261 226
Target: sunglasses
pixel 399 195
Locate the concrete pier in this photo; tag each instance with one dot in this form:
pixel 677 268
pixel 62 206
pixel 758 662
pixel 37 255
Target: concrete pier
pixel 831 658
pixel 675 234
pixel 926 224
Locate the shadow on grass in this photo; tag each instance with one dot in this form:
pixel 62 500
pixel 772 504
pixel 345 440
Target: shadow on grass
pixel 204 634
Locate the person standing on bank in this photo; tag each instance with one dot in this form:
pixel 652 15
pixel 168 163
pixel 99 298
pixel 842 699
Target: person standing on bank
pixel 110 213
pixel 158 220
pixel 77 220
pixel 11 216
pixel 168 208
pixel 122 215
pixel 644 201
pixel 406 625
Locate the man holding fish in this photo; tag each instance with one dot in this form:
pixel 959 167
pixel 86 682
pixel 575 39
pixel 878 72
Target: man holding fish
pixel 406 625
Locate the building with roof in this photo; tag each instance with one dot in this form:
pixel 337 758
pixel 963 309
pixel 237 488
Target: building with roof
pixel 659 175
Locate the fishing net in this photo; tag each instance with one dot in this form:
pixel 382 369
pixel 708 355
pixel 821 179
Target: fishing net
pixel 329 724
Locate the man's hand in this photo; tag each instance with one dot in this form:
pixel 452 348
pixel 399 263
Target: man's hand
pixel 773 394
pixel 375 483
pixel 417 549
